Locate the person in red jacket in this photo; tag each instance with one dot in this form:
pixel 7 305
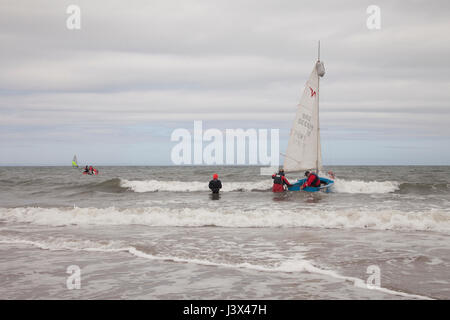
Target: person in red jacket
pixel 279 180
pixel 312 181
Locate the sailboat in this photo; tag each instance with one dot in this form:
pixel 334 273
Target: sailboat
pixel 304 149
pixel 74 162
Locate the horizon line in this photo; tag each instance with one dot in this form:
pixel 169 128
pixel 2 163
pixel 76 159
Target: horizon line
pixel 224 165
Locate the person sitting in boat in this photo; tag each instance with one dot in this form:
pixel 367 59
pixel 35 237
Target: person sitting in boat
pixel 279 181
pixel 91 169
pixel 215 184
pixel 86 170
pixel 312 181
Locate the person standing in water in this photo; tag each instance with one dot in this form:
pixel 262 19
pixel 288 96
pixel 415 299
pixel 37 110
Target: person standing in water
pixel 279 181
pixel 215 184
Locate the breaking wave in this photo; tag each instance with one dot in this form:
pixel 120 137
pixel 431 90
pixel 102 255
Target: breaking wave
pixel 192 186
pixel 369 187
pixel 293 265
pixel 431 220
pixel 119 185
pixel 341 186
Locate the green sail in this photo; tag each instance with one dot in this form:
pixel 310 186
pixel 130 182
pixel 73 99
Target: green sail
pixel 74 162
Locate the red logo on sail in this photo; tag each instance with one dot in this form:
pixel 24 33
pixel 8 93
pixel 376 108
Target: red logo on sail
pixel 313 93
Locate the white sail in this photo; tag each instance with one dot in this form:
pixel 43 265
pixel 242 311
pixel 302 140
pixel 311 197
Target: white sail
pixel 304 151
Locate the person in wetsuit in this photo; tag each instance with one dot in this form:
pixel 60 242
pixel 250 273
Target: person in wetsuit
pixel 312 181
pixel 279 181
pixel 215 184
pixel 86 170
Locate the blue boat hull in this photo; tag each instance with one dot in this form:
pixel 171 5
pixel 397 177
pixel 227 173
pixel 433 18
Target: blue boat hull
pixel 323 187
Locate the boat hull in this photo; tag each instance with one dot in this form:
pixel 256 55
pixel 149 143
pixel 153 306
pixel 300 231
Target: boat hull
pixel 323 187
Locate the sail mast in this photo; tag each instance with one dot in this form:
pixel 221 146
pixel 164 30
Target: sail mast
pixel 303 151
pixel 318 123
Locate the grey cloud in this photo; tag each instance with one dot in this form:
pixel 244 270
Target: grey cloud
pixel 146 62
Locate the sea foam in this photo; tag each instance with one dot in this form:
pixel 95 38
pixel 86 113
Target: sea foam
pixel 341 186
pixel 296 264
pixel 341 218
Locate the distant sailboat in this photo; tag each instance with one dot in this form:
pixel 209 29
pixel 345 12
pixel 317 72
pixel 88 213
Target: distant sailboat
pixel 74 162
pixel 304 149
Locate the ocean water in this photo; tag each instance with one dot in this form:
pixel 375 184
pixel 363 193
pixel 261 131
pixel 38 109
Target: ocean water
pixel 157 233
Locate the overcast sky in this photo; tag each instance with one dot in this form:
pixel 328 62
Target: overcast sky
pixel 113 91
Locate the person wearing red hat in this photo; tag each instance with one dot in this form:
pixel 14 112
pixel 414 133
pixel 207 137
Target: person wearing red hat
pixel 215 184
